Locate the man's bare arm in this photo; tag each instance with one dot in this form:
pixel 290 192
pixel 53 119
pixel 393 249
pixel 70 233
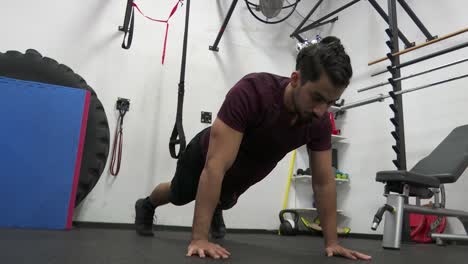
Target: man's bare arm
pixel 222 152
pixel 324 186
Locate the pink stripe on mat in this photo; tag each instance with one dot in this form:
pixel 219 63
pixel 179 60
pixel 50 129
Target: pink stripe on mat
pixel 76 176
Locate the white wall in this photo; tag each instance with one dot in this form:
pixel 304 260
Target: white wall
pixel 83 35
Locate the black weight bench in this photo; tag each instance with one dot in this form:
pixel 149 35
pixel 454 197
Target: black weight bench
pixel 445 164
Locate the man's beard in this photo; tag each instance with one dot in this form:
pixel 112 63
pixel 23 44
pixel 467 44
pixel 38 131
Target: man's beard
pixel 300 117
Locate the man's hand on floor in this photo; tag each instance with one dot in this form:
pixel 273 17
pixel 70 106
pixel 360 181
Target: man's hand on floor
pixel 204 248
pixel 337 250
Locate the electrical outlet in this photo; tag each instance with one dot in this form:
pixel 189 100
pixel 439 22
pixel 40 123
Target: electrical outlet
pixel 123 104
pixel 206 117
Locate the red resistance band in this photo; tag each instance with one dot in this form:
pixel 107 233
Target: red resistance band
pixel 174 9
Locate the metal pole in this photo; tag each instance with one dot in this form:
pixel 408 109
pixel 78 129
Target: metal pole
pixel 421 45
pixel 416 20
pixel 299 38
pixel 434 211
pixel 378 98
pixel 413 75
pixel 327 16
pixel 324 23
pixel 302 40
pixel 381 97
pixel 306 18
pixel 450 237
pixel 431 84
pixel 385 17
pixel 397 108
pixel 426 57
pixel 214 47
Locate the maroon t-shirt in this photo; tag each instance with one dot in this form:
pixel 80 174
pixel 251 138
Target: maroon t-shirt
pixel 255 107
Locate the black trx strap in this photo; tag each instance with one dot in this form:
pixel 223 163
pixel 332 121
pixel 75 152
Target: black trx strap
pixel 129 22
pixel 178 135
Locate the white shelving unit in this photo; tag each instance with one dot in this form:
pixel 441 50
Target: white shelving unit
pixel 308 179
pixel 304 179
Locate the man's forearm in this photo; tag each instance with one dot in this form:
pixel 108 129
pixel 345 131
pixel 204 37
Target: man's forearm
pixel 209 188
pixel 325 196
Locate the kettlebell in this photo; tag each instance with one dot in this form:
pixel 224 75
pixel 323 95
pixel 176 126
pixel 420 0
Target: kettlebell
pixel 288 227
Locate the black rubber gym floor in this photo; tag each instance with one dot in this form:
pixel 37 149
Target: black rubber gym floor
pixel 109 246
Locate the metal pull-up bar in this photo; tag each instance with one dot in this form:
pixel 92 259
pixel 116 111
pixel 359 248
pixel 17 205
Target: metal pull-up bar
pixel 423 58
pixel 381 97
pixel 413 75
pixel 299 31
pixel 421 45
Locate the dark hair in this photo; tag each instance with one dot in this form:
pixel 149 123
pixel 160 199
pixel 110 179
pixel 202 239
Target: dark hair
pixel 328 55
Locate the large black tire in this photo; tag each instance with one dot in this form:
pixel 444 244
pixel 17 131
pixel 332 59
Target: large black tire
pixel 32 66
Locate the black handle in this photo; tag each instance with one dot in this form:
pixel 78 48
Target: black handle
pixel 177 137
pixel 293 212
pixel 128 25
pixel 378 216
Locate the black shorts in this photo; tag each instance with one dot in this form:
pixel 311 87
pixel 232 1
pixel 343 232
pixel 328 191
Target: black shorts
pixel 190 165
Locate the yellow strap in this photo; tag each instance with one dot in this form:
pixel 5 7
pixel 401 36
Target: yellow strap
pixel 288 185
pixel 290 175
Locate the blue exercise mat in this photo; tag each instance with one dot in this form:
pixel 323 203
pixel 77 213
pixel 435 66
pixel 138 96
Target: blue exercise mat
pixel 42 134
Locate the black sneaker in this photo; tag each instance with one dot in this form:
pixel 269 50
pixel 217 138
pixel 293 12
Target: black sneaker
pixel 218 228
pixel 144 214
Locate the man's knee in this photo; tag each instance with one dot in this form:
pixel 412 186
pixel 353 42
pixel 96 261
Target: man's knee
pixel 226 204
pixel 179 201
